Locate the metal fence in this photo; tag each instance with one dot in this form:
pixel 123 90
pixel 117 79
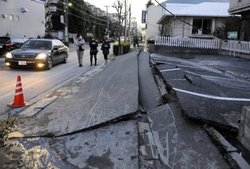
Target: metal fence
pixel 231 46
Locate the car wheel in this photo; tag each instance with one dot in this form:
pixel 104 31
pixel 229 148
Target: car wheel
pixel 65 58
pixel 49 63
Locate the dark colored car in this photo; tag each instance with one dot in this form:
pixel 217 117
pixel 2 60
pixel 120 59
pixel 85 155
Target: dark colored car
pixel 8 43
pixel 38 53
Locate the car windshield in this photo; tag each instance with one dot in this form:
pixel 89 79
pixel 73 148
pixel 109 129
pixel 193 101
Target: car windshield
pixel 37 44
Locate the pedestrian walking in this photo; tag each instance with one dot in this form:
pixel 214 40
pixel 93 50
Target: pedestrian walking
pixel 105 49
pixel 80 48
pixel 136 41
pixel 93 44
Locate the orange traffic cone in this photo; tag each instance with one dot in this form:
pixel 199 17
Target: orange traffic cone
pixel 18 99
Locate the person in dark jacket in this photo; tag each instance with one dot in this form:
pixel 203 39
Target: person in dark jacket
pixel 93 44
pixel 105 49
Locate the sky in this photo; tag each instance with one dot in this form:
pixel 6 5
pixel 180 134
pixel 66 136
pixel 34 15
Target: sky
pixel 136 6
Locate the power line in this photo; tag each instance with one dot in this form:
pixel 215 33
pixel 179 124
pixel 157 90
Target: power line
pixel 176 17
pixel 173 14
pixel 81 17
pixel 82 6
pixel 93 16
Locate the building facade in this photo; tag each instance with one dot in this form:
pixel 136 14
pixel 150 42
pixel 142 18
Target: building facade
pixel 22 18
pixel 242 7
pixel 154 13
pixel 194 20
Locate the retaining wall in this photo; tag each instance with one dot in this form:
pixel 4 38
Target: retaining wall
pixel 244 130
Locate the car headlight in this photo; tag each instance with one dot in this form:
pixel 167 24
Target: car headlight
pixel 9 55
pixel 41 56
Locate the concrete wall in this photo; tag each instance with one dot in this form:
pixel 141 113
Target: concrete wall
pixel 154 13
pixel 244 131
pixel 179 50
pixel 238 6
pixel 22 18
pixel 182 50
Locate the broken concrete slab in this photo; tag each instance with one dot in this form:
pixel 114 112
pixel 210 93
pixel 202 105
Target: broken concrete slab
pixel 107 96
pixel 110 147
pixel 205 93
pixel 181 144
pixel 37 107
pixel 149 93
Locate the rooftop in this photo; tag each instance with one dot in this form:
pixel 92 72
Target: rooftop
pixel 210 9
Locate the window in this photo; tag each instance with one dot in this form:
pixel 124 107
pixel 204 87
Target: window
pixel 202 26
pixel 17 18
pixel 11 17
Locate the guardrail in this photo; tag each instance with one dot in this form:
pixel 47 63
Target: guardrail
pixel 230 46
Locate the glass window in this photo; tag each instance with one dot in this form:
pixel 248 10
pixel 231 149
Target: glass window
pixel 37 44
pixel 11 17
pixel 202 26
pixel 17 18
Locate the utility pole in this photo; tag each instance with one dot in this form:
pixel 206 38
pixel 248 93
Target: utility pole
pixel 125 13
pixel 66 38
pixel 129 21
pixel 107 11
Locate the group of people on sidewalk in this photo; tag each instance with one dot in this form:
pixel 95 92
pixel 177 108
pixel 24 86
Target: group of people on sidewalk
pixel 93 44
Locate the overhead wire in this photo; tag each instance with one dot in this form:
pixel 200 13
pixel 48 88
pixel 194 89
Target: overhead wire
pixel 83 11
pixel 176 17
pixel 82 17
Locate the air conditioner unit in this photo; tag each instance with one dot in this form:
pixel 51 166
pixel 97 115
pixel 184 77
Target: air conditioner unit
pixel 3 15
pixel 24 10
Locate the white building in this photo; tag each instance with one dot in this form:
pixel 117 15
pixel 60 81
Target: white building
pixel 154 13
pixel 194 20
pixel 22 18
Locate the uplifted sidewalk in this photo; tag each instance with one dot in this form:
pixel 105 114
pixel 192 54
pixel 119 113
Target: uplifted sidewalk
pixel 86 125
pixel 110 94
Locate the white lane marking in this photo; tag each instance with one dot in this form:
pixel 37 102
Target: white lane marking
pixel 169 70
pixel 213 97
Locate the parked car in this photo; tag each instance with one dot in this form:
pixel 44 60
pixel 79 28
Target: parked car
pixel 8 43
pixel 38 53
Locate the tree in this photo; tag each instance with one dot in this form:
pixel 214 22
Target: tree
pixel 230 24
pixel 77 19
pixel 118 7
pixel 149 3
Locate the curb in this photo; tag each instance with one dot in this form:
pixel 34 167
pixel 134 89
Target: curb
pixel 229 152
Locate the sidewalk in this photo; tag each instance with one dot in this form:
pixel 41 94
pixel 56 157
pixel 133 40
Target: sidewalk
pixel 90 123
